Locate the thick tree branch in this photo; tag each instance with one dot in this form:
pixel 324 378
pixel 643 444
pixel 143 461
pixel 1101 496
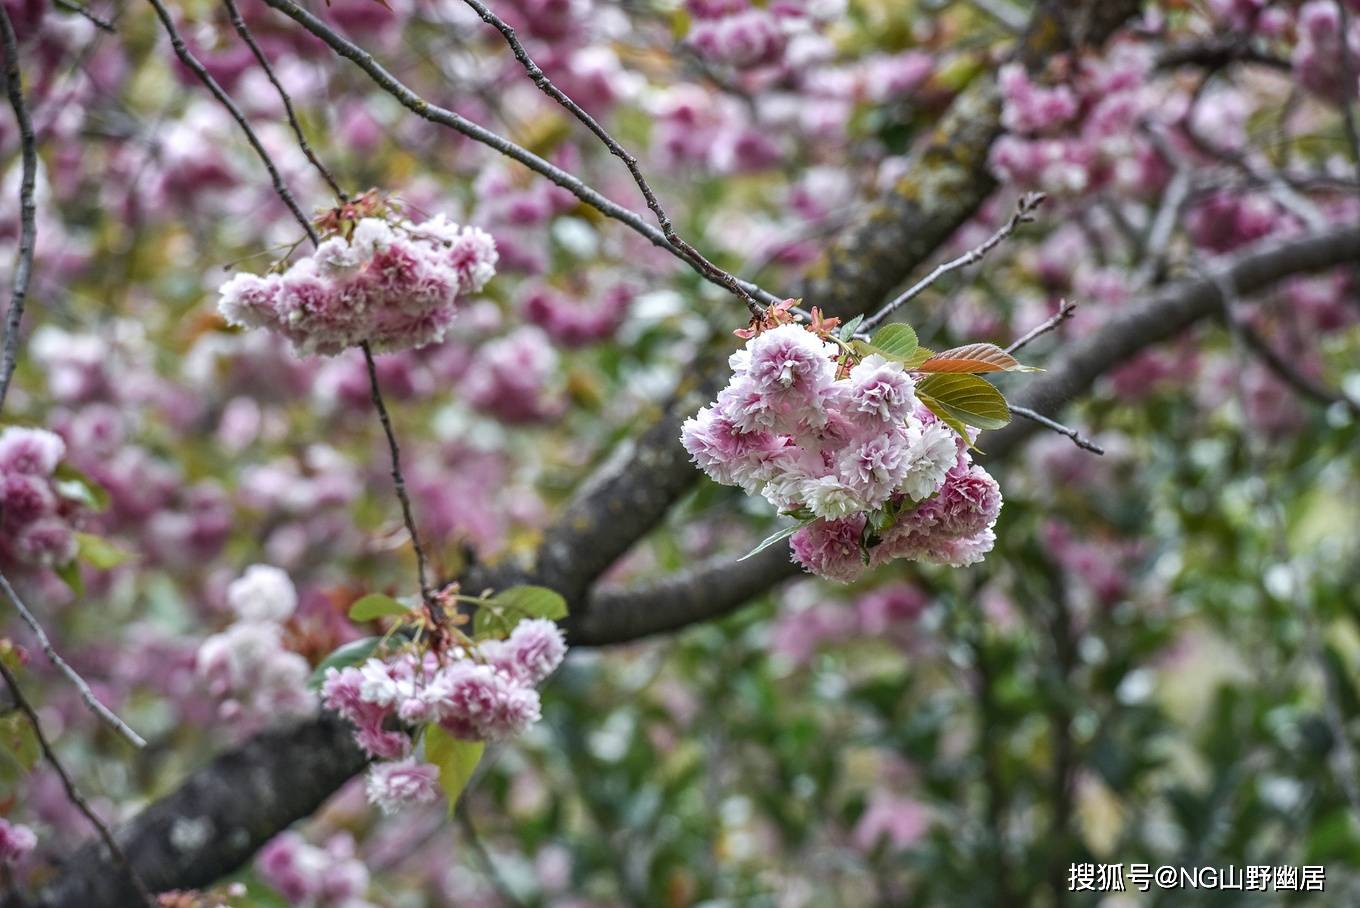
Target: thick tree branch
pixel 218 818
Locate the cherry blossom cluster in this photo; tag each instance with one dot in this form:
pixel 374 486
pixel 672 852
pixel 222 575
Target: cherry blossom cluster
pixel 877 474
pixel 510 377
pixel 576 323
pixel 486 693
pixel 311 875
pixel 1320 59
pixel 249 666
pixel 394 285
pixel 35 513
pixel 16 841
pixel 1083 135
pixel 736 34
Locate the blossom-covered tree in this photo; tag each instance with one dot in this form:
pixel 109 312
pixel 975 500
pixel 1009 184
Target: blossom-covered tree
pixel 553 452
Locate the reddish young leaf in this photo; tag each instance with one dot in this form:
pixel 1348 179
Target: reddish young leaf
pixel 973 358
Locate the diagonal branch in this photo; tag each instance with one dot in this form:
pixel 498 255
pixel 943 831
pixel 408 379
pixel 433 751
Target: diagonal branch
pixel 91 701
pixel 189 60
pixel 539 78
pixel 444 117
pixel 243 30
pixel 1024 214
pixel 126 875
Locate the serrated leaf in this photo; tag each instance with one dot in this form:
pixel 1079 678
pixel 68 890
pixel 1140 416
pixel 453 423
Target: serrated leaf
pixel 532 602
pixel 351 653
pixel 849 328
pixel 783 533
pixel 98 552
pixel 973 359
pixel 456 759
pixel 376 605
pixel 895 341
pixel 965 399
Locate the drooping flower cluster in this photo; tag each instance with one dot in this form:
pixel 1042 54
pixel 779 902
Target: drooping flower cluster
pixel 35 515
pixel 314 876
pixel 248 665
pixel 488 694
pixel 838 451
pixel 393 284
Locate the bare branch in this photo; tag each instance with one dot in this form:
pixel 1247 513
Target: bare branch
pixel 28 230
pixel 72 793
pixel 1065 310
pixel 444 117
pixel 102 24
pixel 244 31
pixel 189 60
pixel 1216 53
pixel 1164 314
pixel 539 78
pixel 1024 214
pixel 399 482
pixel 99 709
pixel 1077 438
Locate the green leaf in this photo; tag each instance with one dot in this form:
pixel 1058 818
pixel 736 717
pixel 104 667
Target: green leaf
pixel 351 653
pixel 848 329
pixel 456 760
pixel 376 605
pixel 896 341
pixel 98 552
pixel 964 399
pixel 76 486
pixel 532 602
pixel 782 534
pixel 70 575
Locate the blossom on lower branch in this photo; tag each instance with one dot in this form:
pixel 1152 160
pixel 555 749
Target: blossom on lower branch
pixel 485 692
pixel 842 442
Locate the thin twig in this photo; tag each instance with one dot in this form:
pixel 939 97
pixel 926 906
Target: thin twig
pixel 244 31
pixel 1024 214
pixel 99 709
pixel 1065 310
pixel 28 229
pixel 539 78
pixel 444 117
pixel 399 481
pixel 1077 438
pixel 102 24
pixel 484 857
pixel 189 60
pixel 72 793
